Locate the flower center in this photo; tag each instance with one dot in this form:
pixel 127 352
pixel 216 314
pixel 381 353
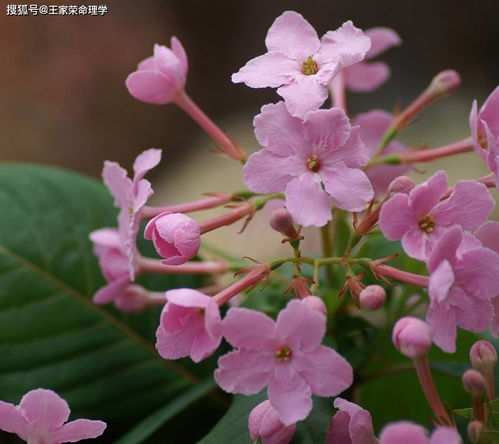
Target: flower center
pixel 482 140
pixel 283 354
pixel 313 163
pixel 310 66
pixel 427 224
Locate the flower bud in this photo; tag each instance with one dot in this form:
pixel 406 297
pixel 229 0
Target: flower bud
pixel 315 303
pixel 264 424
pixel 281 221
pixel 411 337
pixel 372 297
pixel 401 184
pixel 483 356
pixel 475 429
pixel 176 237
pixel 445 82
pixel 474 382
pixel 403 431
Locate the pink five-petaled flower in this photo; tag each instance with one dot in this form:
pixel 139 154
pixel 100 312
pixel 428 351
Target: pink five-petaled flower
pixel 409 433
pixel 301 65
pixel 484 126
pixel 190 325
pixel 176 237
pixel 114 264
pixel 365 77
pixel 373 125
pixel 350 425
pixel 264 424
pixel 421 218
pixel 39 419
pixel 462 283
pixel 160 77
pixel 286 355
pixel 315 162
pixel 130 196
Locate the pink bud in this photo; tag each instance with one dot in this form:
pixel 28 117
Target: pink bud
pixel 316 303
pixel 445 82
pixel 264 424
pixel 411 337
pixel 372 297
pixel 483 355
pixel 401 184
pixel 474 382
pixel 281 221
pixel 403 432
pixel 475 429
pixel 176 237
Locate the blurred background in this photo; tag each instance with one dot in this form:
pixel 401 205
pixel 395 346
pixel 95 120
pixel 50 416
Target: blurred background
pixel 64 102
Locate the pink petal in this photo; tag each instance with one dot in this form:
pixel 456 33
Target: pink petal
pixel 397 217
pixel 300 327
pixel 353 153
pixel 373 125
pixel 106 237
pixel 473 314
pixel 145 162
pixel 349 188
pixel 360 424
pixel 469 205
pixel 477 272
pixel 488 235
pixel 143 191
pixel 307 202
pixel 441 281
pixel 186 297
pixel 289 394
pixel 151 87
pixel 442 322
pixel 446 248
pixel 326 129
pixel 325 361
pixel 169 65
pixel 445 435
pixel 494 328
pixel 279 131
pixel 148 64
pixel 272 69
pixel 366 77
pixel 338 431
pixel 382 39
pixel 179 52
pixel 111 291
pixel 249 329
pixel 245 371
pixel 490 111
pixel 266 172
pixel 115 178
pixel 474 127
pixel 80 429
pixel 403 432
pixel 426 195
pixel 204 345
pixel 303 94
pixel 44 407
pixel 418 244
pixel 292 35
pixel 12 421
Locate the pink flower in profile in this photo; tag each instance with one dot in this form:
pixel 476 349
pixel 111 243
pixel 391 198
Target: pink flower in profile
pixel 421 218
pixel 264 424
pixel 130 195
pixel 484 126
pixel 315 162
pixel 160 77
pixel 190 325
pixel 40 417
pixel 373 125
pixel 350 425
pixel 409 433
pixel 176 237
pixel 286 355
pixel 114 264
pixel 462 283
pixel 366 77
pixel 299 64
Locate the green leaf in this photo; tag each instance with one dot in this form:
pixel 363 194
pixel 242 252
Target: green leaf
pixel 51 334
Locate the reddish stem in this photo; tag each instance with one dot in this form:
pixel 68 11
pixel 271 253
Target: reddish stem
pixel 148 265
pixel 400 275
pixel 229 218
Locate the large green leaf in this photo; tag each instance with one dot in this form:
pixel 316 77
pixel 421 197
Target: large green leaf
pixel 51 334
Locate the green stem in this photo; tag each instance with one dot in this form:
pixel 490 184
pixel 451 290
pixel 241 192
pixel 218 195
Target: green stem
pixel 327 249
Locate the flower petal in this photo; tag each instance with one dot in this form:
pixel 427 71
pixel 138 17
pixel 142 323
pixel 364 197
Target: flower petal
pixel 327 129
pixel 179 51
pixel 116 179
pixel 111 291
pixel 397 217
pixel 151 87
pixel 366 77
pixel 338 431
pixel 303 94
pixel 353 153
pixel 80 429
pixel 426 195
pixel 250 329
pixel 477 272
pixel 472 313
pixel 44 407
pixel 446 248
pixel 382 39
pixel 144 162
pixel 488 235
pixel 490 112
pixel 12 421
pixel 445 435
pixel 441 281
pixel 442 322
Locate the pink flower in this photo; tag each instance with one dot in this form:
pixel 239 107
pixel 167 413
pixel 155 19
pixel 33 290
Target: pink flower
pixel 484 126
pixel 264 424
pixel 409 433
pixel 160 77
pixel 421 218
pixel 40 418
pixel 299 64
pixel 286 355
pixel 350 425
pixel 176 237
pixel 462 282
pixel 412 337
pixel 373 125
pixel 113 262
pixel 190 325
pixel 365 77
pixel 315 162
pixel 130 196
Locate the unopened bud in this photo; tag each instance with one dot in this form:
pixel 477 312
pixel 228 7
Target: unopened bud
pixel 474 382
pixel 264 424
pixel 445 82
pixel 316 303
pixel 483 356
pixel 372 297
pixel 475 429
pixel 281 221
pixel 401 184
pixel 411 337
